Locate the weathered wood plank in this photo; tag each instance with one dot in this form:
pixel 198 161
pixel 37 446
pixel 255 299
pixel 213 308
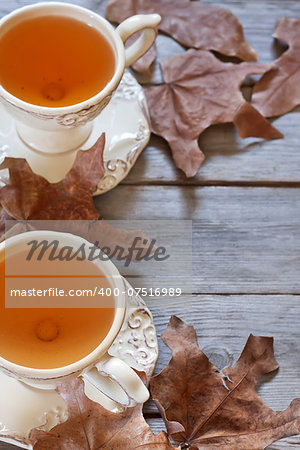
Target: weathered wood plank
pixel 245 240
pixel 229 159
pixel 210 204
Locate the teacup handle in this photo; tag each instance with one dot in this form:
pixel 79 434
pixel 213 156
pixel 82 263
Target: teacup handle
pixel 148 25
pixel 115 379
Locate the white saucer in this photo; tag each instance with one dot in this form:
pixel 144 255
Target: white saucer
pixel 125 122
pixel 23 408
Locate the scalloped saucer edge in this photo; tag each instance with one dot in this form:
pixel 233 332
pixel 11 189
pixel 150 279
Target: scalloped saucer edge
pixel 125 122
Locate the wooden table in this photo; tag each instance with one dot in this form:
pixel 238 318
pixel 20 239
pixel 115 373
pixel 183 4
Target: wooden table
pixel 245 206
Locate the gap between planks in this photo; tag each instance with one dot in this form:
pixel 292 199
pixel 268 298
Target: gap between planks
pixel 195 182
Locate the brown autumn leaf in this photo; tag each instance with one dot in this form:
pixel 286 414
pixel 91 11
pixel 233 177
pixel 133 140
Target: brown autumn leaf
pixel 143 64
pixel 200 91
pixel 91 427
pixel 192 24
pixel 205 408
pixel 31 197
pixel 278 90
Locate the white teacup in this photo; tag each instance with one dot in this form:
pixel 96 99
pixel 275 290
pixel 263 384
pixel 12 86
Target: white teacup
pixel 60 129
pixel 110 375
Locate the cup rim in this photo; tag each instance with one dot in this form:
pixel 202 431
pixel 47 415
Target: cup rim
pixel 88 360
pixel 107 90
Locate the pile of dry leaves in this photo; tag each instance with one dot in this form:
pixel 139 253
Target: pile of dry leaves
pixel 202 407
pixel 198 89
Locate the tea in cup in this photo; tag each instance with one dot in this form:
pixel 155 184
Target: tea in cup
pixel 47 339
pixel 60 65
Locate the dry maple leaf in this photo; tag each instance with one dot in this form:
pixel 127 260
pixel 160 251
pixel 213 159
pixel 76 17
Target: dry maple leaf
pixel 200 91
pixel 278 90
pixel 91 427
pixel 31 197
pixel 142 65
pixel 205 408
pixel 192 24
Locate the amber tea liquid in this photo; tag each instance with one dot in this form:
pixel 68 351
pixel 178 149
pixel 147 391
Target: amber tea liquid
pixel 48 338
pixel 55 61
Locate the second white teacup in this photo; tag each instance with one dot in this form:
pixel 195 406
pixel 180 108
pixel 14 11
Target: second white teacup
pixel 65 128
pixel 110 375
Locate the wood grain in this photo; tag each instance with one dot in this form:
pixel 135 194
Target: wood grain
pixel 245 240
pixel 229 159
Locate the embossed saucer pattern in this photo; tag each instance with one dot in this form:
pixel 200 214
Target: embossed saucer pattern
pixel 125 122
pixel 23 407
